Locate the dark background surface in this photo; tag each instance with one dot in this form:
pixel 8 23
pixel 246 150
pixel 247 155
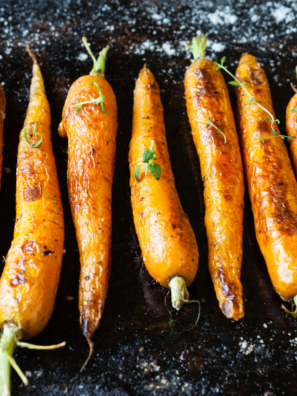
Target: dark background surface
pixel 137 352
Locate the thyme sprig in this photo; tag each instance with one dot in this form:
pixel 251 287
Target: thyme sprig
pixel 271 119
pixel 96 101
pixel 148 158
pixel 34 133
pixel 210 123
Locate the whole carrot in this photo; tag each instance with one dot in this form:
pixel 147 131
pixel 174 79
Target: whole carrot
pixel 215 137
pixel 270 177
pixel 2 117
pixel 90 122
pixel 31 274
pixel 167 241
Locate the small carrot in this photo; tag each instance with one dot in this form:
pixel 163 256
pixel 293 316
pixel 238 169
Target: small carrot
pixel 270 177
pixel 2 117
pixel 31 274
pixel 90 122
pixel 167 241
pixel 214 133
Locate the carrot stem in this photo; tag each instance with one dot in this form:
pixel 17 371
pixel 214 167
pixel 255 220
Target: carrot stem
pixel 7 343
pixel 179 292
pixel 99 63
pixel 197 47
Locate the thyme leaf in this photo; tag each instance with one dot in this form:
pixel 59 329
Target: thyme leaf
pixel 148 161
pixel 210 123
pixel 34 133
pixel 96 101
pixel 236 82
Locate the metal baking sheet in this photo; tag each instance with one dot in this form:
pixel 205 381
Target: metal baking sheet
pixel 138 351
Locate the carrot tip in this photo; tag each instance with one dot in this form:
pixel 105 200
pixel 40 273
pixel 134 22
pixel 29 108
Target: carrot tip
pixel 33 57
pixel 91 346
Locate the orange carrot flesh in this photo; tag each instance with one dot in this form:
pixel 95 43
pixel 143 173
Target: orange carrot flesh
pixel 291 124
pixel 91 136
pixel 270 178
pixel 222 172
pixel 165 235
pixel 31 274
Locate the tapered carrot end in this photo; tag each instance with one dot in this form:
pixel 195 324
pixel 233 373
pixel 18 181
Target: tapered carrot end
pixel 91 346
pixel 33 57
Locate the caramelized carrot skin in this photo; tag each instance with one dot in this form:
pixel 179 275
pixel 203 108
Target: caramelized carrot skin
pixel 91 156
pixel 222 173
pixel 2 116
pixel 32 269
pixel 270 178
pixel 291 124
pixel 165 235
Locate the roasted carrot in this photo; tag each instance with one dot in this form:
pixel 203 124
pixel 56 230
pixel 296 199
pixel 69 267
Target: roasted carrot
pixel 291 124
pixel 167 241
pixel 90 122
pixel 2 117
pixel 270 177
pixel 215 137
pixel 31 274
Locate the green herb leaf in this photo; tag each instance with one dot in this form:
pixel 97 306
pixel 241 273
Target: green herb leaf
pixel 148 154
pixel 223 60
pixel 218 68
pixel 137 172
pixel 293 109
pixel 155 170
pixel 233 83
pixel 96 101
pixel 267 119
pixel 149 158
pixel 34 133
pixel 274 132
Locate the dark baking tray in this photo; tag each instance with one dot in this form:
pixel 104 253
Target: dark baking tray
pixel 137 350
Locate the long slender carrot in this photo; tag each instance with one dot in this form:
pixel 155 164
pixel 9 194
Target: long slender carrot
pixel 270 177
pixel 167 241
pixel 215 137
pixel 31 274
pixel 2 117
pixel 90 122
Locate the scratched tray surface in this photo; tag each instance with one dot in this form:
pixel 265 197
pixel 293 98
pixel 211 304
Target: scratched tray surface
pixel 137 350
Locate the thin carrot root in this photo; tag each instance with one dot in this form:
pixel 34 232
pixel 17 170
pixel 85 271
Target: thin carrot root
pixel 33 57
pixel 293 313
pixel 91 346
